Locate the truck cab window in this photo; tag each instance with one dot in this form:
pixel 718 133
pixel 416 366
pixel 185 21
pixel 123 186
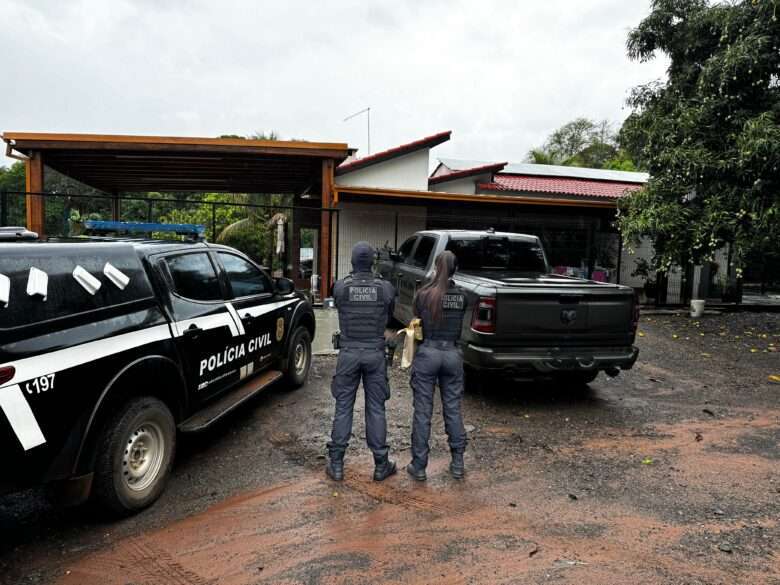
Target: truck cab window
pixel 194 277
pixel 405 251
pixel 423 252
pixel 498 253
pixel 245 278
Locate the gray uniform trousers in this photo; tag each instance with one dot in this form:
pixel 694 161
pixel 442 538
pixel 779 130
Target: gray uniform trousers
pixel 442 362
pixel 371 366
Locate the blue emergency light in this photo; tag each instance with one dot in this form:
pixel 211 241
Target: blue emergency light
pixel 196 231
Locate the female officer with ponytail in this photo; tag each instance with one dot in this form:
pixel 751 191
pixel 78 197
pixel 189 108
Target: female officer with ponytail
pixel 441 306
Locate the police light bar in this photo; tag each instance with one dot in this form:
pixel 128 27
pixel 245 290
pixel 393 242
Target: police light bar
pixel 196 231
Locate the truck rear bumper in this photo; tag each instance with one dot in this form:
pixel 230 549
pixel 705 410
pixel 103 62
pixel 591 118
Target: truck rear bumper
pixel 550 360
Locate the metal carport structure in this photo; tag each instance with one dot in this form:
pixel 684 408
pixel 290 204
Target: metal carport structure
pixel 117 164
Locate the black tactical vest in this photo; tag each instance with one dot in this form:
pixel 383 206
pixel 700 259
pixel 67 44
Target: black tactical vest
pixel 453 307
pixel 362 311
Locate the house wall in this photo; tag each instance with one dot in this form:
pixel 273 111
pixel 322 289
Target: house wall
pixel 405 172
pixel 466 185
pixel 374 223
pixel 628 262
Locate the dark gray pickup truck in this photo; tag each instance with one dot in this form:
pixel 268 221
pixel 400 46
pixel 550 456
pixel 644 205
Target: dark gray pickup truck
pixel 523 320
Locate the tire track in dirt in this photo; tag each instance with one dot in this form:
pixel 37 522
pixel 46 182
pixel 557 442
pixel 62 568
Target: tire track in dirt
pixel 139 560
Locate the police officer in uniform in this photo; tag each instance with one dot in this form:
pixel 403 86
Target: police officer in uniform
pixel 365 303
pixel 441 306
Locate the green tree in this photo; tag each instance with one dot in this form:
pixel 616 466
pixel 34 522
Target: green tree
pixel 622 161
pixel 540 156
pixel 708 134
pixel 12 179
pixel 253 136
pixel 579 143
pixel 245 228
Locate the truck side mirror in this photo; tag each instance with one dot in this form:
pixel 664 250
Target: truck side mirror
pixel 395 256
pixel 284 286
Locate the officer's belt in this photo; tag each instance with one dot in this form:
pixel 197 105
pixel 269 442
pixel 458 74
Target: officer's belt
pixel 361 344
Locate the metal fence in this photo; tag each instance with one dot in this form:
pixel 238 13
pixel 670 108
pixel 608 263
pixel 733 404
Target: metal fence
pixel 268 233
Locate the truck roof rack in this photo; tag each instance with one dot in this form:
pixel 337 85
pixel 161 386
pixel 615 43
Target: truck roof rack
pixel 16 233
pixel 196 232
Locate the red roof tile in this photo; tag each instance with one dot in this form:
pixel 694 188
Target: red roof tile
pixel 427 142
pixel 563 186
pixel 451 176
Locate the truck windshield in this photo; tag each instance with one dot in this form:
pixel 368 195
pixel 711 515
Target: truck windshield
pixel 498 254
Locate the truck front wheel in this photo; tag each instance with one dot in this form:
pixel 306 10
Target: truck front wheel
pixel 298 361
pixel 134 457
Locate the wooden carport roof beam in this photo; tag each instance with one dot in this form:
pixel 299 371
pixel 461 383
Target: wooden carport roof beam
pixel 25 141
pixel 164 163
pixel 118 163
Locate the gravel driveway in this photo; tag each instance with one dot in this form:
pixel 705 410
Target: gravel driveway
pixel 668 474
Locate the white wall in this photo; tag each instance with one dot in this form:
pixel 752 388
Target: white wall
pixel 405 172
pixel 467 185
pixel 375 224
pixel 628 262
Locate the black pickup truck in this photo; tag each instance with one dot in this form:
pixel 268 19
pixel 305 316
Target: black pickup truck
pixel 109 348
pixel 524 320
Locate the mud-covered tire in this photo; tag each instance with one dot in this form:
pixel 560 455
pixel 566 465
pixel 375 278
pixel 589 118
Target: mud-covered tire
pixel 135 452
pixel 297 363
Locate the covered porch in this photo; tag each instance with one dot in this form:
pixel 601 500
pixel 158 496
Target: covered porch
pixel 578 234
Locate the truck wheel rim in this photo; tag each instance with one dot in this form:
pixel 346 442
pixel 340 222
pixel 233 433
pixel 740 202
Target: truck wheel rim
pixel 300 357
pixel 143 456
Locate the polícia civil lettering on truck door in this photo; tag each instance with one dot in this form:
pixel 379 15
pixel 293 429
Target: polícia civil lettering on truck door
pixel 234 352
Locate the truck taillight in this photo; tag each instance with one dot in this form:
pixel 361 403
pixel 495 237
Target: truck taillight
pixel 635 313
pixel 6 373
pixel 484 318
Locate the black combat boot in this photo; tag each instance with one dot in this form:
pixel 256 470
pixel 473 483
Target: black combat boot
pixel 335 467
pixel 418 474
pixel 457 468
pixel 383 468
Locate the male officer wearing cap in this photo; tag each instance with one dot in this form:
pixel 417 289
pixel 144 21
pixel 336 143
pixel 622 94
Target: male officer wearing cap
pixel 365 303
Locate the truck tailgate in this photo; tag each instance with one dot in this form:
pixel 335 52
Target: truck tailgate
pixel 558 313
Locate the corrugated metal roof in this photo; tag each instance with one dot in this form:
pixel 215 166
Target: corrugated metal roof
pixel 551 171
pixel 560 185
pixel 461 164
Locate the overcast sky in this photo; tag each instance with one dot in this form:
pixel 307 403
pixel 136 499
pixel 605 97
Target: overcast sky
pixel 500 74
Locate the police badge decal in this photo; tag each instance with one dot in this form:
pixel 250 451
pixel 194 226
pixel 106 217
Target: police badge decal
pixel 279 328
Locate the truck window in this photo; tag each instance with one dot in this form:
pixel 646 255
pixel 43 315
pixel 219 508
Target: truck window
pixel 423 251
pixel 405 251
pixel 245 278
pixel 194 277
pixel 497 253
pixel 65 296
